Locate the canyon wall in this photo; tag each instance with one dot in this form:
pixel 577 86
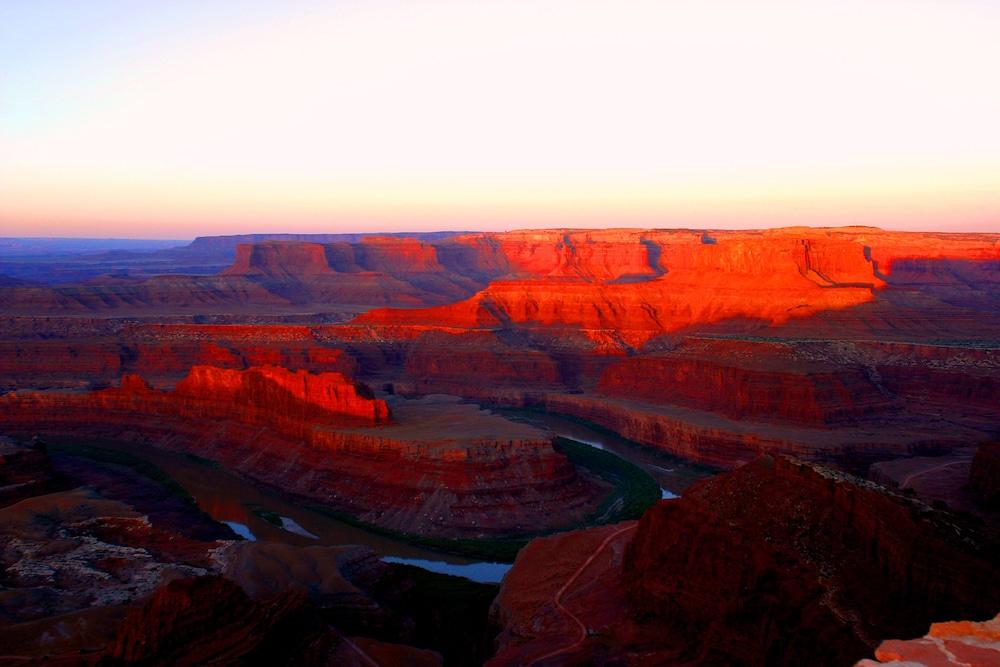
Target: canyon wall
pixel 843 561
pixel 779 562
pixel 437 468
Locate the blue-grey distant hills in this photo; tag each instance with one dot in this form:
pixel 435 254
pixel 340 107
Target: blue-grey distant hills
pixel 35 246
pixel 70 260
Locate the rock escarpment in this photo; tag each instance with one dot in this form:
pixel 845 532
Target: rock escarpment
pixel 946 645
pixel 438 468
pixel 25 470
pixel 804 547
pixel 779 562
pixel 752 381
pixel 209 619
pixel 644 284
pixel 984 480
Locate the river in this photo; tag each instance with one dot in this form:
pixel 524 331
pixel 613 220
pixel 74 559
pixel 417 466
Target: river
pixel 670 472
pixel 255 513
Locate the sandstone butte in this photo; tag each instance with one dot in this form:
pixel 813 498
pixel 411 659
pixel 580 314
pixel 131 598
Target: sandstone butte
pixel 438 467
pixel 849 346
pixel 640 283
pixel 719 346
pixel 637 285
pixel 779 562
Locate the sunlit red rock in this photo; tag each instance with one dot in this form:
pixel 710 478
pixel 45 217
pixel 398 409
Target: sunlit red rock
pixel 438 467
pixel 948 644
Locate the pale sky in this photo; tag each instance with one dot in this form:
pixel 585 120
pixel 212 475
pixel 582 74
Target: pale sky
pixel 156 119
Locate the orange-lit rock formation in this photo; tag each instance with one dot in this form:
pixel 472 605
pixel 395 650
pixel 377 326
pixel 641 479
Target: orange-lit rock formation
pixel 947 644
pixel 439 468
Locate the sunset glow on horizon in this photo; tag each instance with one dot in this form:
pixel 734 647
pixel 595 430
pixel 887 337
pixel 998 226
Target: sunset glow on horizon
pixel 133 119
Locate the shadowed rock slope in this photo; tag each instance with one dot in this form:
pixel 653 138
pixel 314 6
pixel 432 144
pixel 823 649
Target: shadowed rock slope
pixel 776 563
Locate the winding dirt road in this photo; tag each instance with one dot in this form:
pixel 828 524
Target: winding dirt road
pixel 557 600
pixel 368 660
pixel 920 473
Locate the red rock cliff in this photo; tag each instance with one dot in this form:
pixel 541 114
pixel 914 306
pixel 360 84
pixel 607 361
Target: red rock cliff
pixel 743 558
pixel 439 468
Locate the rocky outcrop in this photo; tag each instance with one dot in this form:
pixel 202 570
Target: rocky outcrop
pixel 443 363
pixel 984 479
pixel 948 644
pixel 642 283
pixel 25 470
pixel 375 271
pixel 298 395
pixel 196 620
pixel 776 563
pixel 750 380
pixel 802 547
pixel 200 620
pixel 438 468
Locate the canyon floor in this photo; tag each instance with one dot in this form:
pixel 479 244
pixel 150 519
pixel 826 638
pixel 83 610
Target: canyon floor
pixel 648 447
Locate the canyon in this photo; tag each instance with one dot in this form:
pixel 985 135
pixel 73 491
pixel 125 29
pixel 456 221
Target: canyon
pixel 836 389
pixel 718 576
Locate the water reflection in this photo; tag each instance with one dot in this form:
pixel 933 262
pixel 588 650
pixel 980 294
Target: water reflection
pixel 268 516
pixel 292 526
pixel 673 474
pixel 483 572
pixel 241 529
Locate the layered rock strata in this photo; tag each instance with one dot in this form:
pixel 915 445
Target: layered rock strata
pixel 438 468
pixel 771 564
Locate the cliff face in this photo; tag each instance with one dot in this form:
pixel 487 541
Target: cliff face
pixel 197 620
pixel 200 620
pixel 803 547
pixel 25 470
pixel 643 284
pixel 984 480
pixel 284 260
pixel 439 468
pixel 946 645
pixel 295 395
pixel 776 563
pixel 254 395
pixel 161 353
pixel 756 381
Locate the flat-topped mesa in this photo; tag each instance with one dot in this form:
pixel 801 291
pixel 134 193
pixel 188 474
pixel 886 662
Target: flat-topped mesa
pixel 300 260
pixel 680 277
pixel 689 282
pixel 397 255
pixel 279 259
pixel 641 284
pixel 377 271
pixel 598 256
pixel 297 394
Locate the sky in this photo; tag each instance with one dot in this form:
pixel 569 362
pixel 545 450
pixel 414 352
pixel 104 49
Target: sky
pixel 128 118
